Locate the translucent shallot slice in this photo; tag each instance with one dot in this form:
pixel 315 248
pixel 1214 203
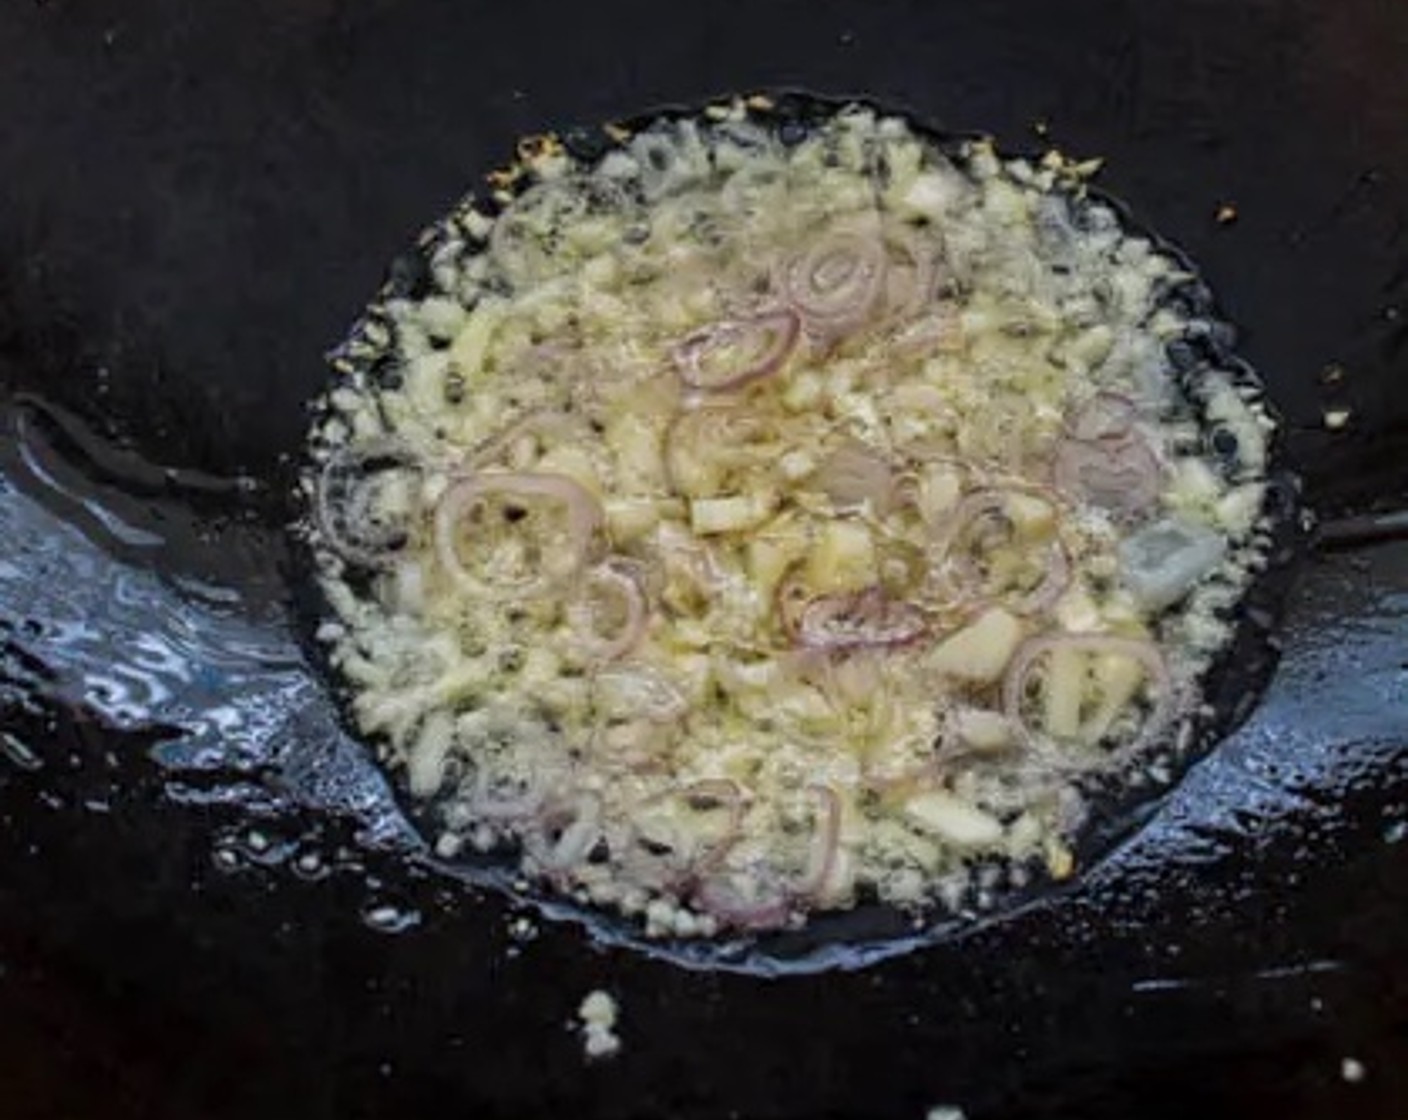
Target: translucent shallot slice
pixel 732 353
pixel 611 616
pixel 582 519
pixel 836 282
pixel 1105 460
pixel 911 277
pixel 660 846
pixel 535 425
pixel 952 567
pixel 1158 681
pixel 1123 478
pixel 859 620
pixel 709 794
pixel 750 902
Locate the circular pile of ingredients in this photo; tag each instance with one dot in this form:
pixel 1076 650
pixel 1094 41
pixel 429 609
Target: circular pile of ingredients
pixel 750 520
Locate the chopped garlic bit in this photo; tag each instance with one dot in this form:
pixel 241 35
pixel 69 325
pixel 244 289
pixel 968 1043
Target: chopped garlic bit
pixel 598 1014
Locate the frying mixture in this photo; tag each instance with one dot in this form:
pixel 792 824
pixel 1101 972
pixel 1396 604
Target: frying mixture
pixel 748 520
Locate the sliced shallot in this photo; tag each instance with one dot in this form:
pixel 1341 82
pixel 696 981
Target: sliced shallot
pixel 981 504
pixel 769 906
pixel 532 425
pixel 732 353
pixel 1123 477
pixel 1105 460
pixel 618 583
pixel 1157 677
pixel 702 445
pixel 583 520
pixel 859 620
pixel 729 796
pixel 835 283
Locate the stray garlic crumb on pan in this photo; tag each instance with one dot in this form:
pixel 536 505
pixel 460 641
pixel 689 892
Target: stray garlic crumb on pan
pixel 598 1014
pixel 763 516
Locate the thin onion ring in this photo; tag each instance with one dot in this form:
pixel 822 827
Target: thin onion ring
pixel 627 583
pixel 831 306
pixel 779 330
pixel 717 898
pixel 668 871
pixel 584 519
pixel 729 794
pixel 1121 477
pixel 970 508
pixel 859 620
pixel 1146 653
pixel 725 429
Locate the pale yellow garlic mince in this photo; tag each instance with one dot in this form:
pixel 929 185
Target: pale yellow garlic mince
pixel 741 529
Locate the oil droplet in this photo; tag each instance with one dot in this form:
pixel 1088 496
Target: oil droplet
pixel 385 917
pixel 19 753
pixel 522 930
pixel 310 865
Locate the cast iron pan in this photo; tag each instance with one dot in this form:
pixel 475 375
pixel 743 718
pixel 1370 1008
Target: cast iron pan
pixel 209 904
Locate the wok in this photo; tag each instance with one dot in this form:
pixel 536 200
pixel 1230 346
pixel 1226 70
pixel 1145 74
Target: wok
pixel 209 904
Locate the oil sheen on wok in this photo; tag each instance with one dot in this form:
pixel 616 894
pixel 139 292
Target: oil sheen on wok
pixel 751 521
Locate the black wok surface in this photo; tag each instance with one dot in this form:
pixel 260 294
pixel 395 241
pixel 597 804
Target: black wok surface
pixel 208 905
